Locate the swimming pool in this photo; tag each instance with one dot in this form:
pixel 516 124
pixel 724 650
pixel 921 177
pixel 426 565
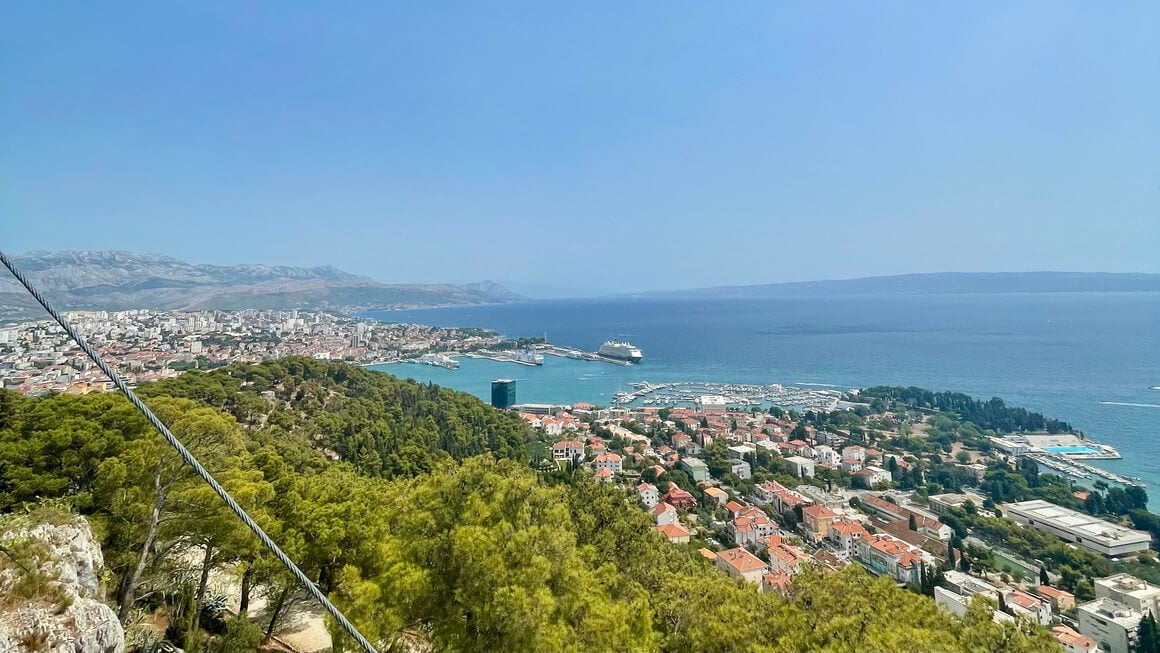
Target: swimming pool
pixel 1071 450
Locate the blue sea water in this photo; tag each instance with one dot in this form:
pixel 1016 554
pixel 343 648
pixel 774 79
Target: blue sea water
pixel 1092 359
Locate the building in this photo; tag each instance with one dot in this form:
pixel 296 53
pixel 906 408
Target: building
pixel 603 475
pixel 817 520
pixel 664 513
pixel 713 404
pixel 648 494
pixel 1092 533
pixel 786 557
pixel 957 604
pixel 1022 604
pixel 800 467
pixel 1073 641
pixel 844 535
pixel 1133 592
pixel 568 450
pixel 751 526
pixel 675 532
pixel 871 476
pixel 1060 600
pixel 1113 625
pixel 680 498
pixel 890 556
pixel 883 508
pixel 698 470
pixel 609 461
pixel 503 393
pixel 741 469
pixel 742 565
pixel 719 496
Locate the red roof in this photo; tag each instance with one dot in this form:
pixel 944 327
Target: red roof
pixel 741 560
pixel 672 531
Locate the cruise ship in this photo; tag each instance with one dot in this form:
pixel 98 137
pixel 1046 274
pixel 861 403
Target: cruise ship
pixel 624 351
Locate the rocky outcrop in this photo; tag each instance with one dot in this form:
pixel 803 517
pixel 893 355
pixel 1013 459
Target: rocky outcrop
pixel 50 589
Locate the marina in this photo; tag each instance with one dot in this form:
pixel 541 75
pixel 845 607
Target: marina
pixel 689 393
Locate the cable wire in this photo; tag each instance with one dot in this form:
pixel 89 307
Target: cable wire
pixel 189 458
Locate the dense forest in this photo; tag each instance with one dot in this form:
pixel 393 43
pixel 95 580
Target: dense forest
pixel 992 414
pixel 430 525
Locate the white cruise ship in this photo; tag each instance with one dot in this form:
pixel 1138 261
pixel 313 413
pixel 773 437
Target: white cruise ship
pixel 624 351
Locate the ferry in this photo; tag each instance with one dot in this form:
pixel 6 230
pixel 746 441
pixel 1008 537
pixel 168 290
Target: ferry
pixel 528 357
pixel 624 351
pixel 438 360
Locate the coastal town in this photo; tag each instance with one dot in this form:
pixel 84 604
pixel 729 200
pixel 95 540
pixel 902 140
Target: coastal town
pixel 759 491
pixel 762 495
pixel 145 345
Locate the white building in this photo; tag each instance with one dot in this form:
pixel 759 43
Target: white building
pixel 1074 641
pixel 609 461
pixel 648 494
pixel 1101 536
pixel 741 469
pixel 1133 592
pixel 800 466
pixel 1113 625
pixel 713 404
pixel 568 450
pixel 825 455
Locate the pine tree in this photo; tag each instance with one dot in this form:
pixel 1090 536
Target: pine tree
pixel 1043 579
pixel 964 564
pixel 950 558
pixel 1149 641
pixel 913 523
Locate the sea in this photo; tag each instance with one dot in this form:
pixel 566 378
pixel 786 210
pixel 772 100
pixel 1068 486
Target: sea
pixel 1092 359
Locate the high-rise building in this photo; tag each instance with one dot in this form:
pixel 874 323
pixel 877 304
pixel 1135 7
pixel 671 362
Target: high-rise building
pixel 503 393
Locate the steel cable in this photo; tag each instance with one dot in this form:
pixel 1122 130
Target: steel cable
pixel 188 457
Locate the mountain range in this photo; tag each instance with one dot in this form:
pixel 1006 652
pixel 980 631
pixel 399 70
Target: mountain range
pixel 108 280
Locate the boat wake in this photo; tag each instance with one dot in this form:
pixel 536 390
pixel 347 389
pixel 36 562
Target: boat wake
pixel 1156 387
pixel 1124 403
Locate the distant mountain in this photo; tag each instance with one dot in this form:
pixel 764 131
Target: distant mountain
pixel 103 280
pixel 937 283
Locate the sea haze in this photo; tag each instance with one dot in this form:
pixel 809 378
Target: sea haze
pixel 1092 359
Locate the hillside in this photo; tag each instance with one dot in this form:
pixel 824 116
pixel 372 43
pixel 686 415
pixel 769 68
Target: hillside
pixel 414 533
pixel 936 283
pixel 103 280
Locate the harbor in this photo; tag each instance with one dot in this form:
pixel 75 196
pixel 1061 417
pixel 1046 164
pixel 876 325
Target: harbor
pixel 735 395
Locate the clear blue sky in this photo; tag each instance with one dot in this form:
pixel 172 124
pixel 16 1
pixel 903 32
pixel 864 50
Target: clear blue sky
pixel 588 146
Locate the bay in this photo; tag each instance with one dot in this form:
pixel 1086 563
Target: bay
pixel 1092 359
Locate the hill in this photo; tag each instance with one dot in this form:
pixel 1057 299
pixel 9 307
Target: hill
pixel 105 280
pixel 936 283
pixel 431 525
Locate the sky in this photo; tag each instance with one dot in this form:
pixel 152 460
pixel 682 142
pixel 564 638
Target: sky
pixel 587 148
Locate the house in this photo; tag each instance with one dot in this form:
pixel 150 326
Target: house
pixel 733 508
pixel 609 461
pixel 854 452
pixel 845 534
pixel 800 467
pixel 741 469
pixel 751 526
pixel 787 558
pixel 707 554
pixel 766 492
pixel 741 565
pixel 851 465
pixel 1060 600
pixel 680 498
pixel 777 580
pixel 825 455
pixel 740 451
pixel 697 469
pixel 817 520
pixel 719 496
pixel 603 475
pixel 664 513
pixel 960 588
pixel 871 476
pixel 675 532
pixel 552 427
pixel 1111 623
pixel 648 494
pixel 1073 641
pixel 890 556
pixel 1022 604
pixel 569 450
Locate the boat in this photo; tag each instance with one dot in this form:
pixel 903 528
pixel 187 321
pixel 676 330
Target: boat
pixel 527 356
pixel 621 351
pixel 438 360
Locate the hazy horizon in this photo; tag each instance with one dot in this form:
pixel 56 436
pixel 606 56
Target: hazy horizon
pixel 594 149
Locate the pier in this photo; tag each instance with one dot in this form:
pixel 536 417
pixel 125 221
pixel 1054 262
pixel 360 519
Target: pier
pixel 1081 470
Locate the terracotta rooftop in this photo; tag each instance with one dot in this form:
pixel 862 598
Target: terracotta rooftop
pixel 741 560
